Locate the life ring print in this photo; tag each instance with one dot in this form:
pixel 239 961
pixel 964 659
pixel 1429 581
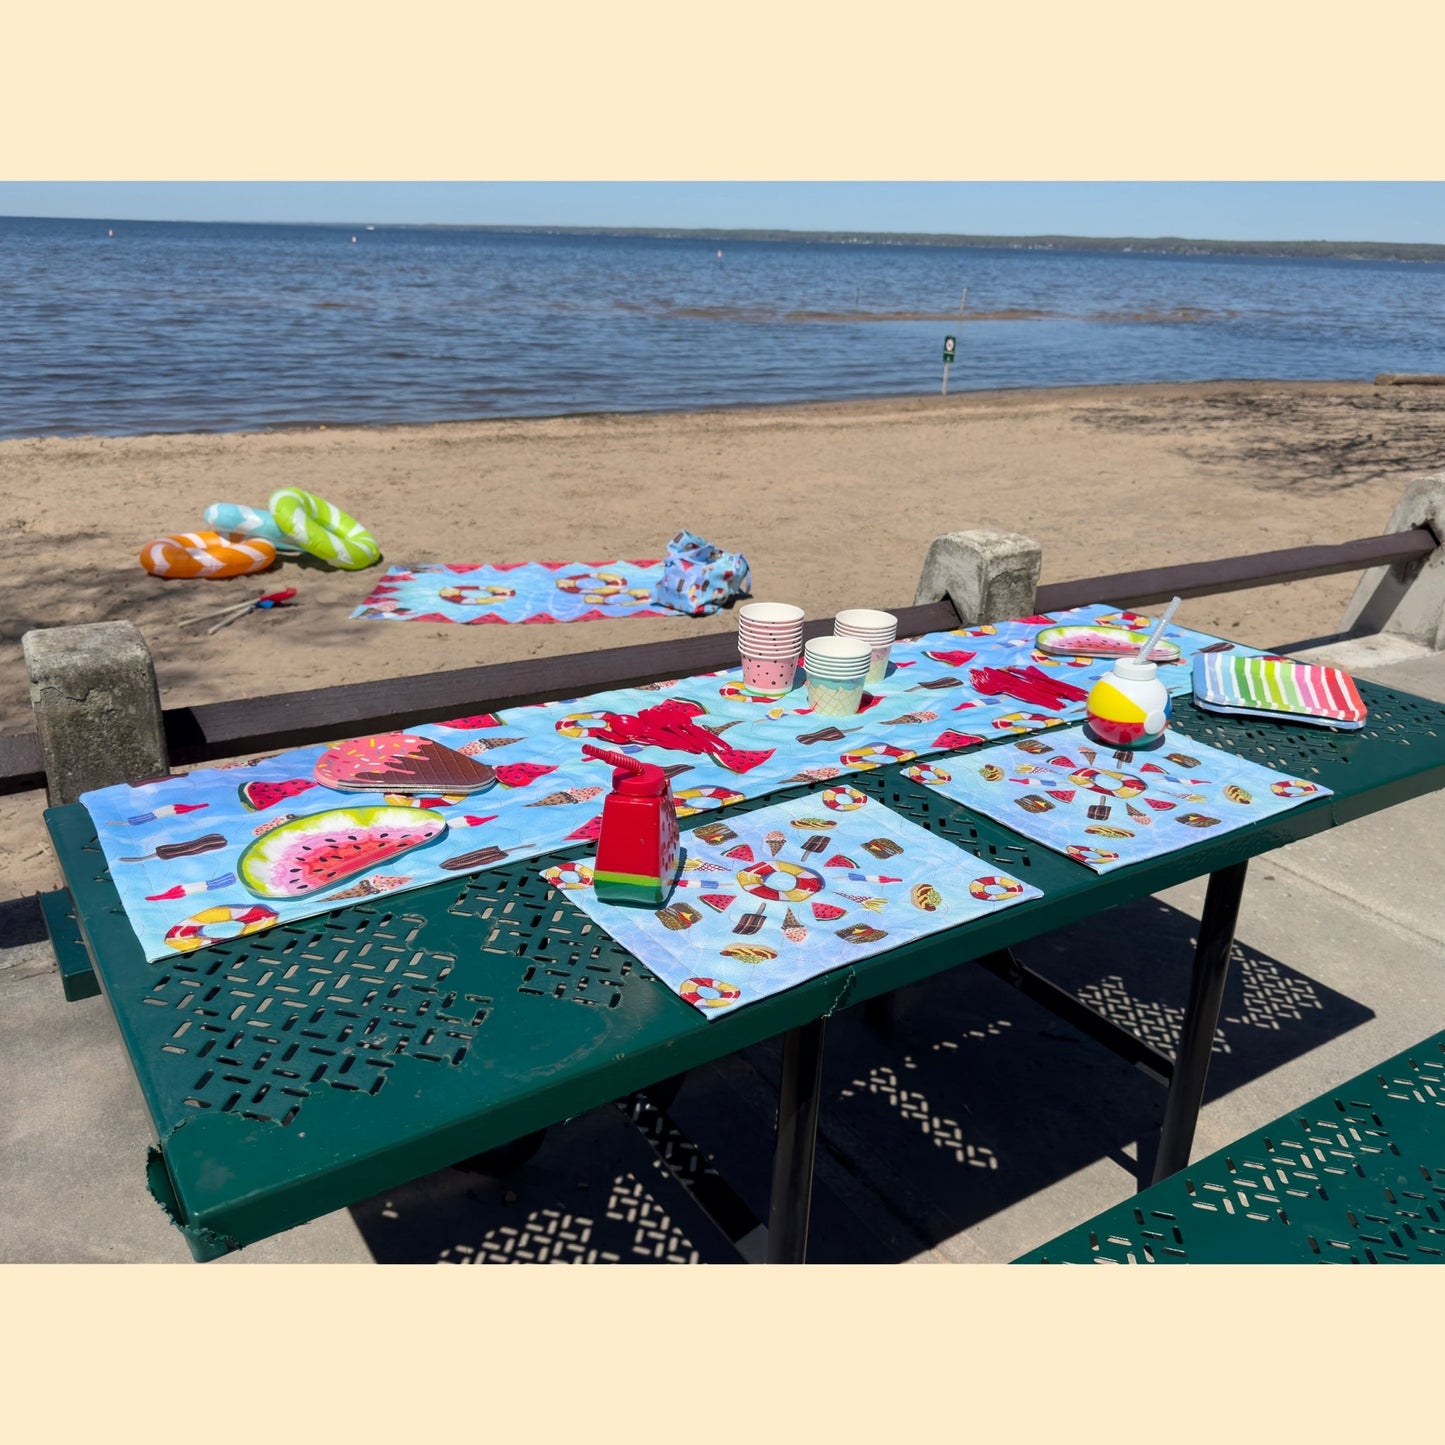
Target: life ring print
pixel 1294 788
pixel 458 595
pixel 875 755
pixel 843 800
pixel 1111 785
pixel 721 994
pixel 766 880
pixel 700 800
pixel 1024 722
pixel 1087 855
pixel 575 724
pixel 733 693
pixel 594 589
pixel 568 876
pixel 217 925
pixel 995 887
pixel 929 773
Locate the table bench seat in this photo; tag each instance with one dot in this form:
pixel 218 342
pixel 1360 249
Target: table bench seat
pixel 1356 1176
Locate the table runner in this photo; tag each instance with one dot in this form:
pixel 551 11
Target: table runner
pixel 175 847
pixel 1107 808
pixel 474 592
pixel 785 893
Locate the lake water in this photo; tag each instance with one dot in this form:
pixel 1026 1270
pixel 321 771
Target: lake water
pixel 169 327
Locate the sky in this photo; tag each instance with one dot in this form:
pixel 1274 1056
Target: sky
pixel 1225 210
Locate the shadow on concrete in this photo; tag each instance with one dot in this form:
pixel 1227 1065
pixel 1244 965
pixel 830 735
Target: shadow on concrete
pixel 973 1100
pixel 21 922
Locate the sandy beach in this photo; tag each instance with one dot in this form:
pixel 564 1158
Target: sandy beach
pixel 833 504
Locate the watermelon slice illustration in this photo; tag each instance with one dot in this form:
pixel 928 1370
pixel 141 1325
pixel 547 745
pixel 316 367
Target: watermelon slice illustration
pixel 741 760
pixel 471 724
pixel 520 775
pixel 741 852
pixel 587 832
pixel 720 901
pixel 311 854
pixel 952 739
pixel 1160 806
pixel 257 795
pixel 827 912
pixel 952 658
pixel 840 860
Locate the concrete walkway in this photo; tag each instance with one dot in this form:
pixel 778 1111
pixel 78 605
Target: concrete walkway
pixel 976 1128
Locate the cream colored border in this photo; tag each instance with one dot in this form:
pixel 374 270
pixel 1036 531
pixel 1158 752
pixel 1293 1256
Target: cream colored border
pixel 727 89
pixel 750 89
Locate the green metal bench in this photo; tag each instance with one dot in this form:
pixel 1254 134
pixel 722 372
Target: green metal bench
pixel 1356 1176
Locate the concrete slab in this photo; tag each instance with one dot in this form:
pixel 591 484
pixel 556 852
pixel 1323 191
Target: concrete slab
pixel 74 1134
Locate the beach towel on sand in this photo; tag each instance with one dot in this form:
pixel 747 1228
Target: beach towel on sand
pixel 474 592
pixel 695 579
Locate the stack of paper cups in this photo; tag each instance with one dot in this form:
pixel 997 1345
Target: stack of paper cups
pixel 837 668
pixel 770 637
pixel 877 629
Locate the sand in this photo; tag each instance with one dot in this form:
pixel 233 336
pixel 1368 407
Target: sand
pixel 834 505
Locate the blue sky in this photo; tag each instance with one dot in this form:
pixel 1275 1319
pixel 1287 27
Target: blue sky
pixel 1332 211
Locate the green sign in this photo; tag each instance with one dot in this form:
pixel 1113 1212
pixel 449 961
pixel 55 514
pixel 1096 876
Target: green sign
pixel 948 346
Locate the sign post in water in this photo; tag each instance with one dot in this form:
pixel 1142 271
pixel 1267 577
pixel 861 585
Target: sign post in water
pixel 949 347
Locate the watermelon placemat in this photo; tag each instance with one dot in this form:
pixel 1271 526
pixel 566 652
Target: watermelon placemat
pixel 473 593
pixel 783 894
pixel 192 847
pixel 1108 808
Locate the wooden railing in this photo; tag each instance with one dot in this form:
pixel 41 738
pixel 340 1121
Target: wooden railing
pixel 215 730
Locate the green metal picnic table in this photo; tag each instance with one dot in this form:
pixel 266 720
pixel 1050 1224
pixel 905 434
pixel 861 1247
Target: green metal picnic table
pixel 305 1068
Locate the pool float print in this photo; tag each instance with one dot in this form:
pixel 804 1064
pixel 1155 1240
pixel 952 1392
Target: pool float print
pixel 688 801
pixel 486 596
pixel 219 925
pixel 709 992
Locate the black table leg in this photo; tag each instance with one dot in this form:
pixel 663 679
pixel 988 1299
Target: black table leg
pixel 1201 1018
pixel 799 1098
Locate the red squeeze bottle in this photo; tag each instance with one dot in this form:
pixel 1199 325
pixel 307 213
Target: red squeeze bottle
pixel 637 850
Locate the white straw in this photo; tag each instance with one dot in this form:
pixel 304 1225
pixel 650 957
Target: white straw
pixel 1157 633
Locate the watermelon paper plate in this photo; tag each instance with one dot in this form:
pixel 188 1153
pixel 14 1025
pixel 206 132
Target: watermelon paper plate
pixel 1098 641
pixel 321 850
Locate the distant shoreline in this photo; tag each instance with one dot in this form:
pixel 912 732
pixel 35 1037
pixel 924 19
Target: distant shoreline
pixel 1402 251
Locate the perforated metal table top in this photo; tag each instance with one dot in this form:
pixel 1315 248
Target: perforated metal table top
pixel 296 1071
pixel 1356 1176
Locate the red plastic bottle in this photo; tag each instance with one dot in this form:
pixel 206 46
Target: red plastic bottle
pixel 637 850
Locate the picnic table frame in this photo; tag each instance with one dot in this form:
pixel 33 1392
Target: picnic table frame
pixel 548 1017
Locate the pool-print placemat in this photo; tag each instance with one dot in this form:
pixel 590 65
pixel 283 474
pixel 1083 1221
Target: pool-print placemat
pixel 780 895
pixel 1107 808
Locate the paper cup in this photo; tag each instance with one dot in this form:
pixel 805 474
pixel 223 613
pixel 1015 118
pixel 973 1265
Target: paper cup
pixel 878 629
pixel 830 698
pixel 770 613
pixel 840 657
pixel 770 675
pixel 782 649
pixel 865 622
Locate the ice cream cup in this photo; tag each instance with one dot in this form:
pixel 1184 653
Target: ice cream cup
pixel 878 629
pixel 837 657
pixel 772 675
pixel 749 641
pixel 831 697
pixel 769 613
pixel 865 622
